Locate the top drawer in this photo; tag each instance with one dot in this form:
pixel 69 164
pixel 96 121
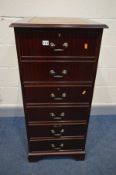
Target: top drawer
pixel 57 42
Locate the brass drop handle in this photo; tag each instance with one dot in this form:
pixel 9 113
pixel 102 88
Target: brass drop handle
pixel 58 50
pixel 53 45
pixel 57 148
pixel 59 117
pixel 63 95
pixel 56 132
pixel 65 45
pixel 55 75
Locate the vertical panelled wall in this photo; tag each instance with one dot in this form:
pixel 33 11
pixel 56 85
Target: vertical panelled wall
pixel 101 11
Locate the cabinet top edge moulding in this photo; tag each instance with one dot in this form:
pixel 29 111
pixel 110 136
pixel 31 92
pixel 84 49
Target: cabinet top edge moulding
pixel 55 22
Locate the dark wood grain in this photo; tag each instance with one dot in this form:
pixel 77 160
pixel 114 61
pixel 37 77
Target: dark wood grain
pixel 40 71
pixel 79 62
pixel 57 113
pixel 75 154
pixel 59 94
pixel 46 145
pixel 57 130
pixel 30 42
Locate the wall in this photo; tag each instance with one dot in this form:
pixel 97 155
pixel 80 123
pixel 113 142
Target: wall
pixel 101 11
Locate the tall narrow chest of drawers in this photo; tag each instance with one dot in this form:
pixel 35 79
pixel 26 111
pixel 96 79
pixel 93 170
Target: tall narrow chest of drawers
pixel 57 63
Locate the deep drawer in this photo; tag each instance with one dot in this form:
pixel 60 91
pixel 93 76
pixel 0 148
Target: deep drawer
pixel 57 130
pixel 57 145
pixel 57 71
pixel 45 42
pixel 57 113
pixel 58 94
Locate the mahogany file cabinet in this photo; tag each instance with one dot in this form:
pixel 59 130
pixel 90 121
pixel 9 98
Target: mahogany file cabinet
pixel 57 63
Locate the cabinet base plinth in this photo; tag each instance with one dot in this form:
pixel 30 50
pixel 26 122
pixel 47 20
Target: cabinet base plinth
pixel 36 156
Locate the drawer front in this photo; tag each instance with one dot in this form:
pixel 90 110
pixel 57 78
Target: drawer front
pixel 59 94
pixel 57 113
pixel 36 42
pixel 57 130
pixel 57 71
pixel 57 145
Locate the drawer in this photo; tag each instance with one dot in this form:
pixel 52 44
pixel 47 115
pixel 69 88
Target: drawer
pixel 57 130
pixel 57 71
pixel 45 42
pixel 58 94
pixel 57 113
pixel 57 145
